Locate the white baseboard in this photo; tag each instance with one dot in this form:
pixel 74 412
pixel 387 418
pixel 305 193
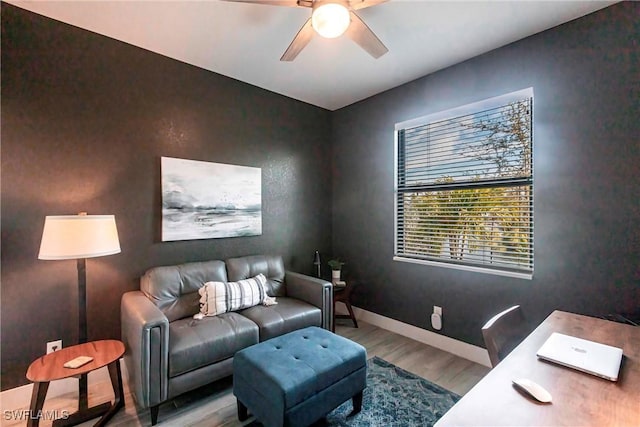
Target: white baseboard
pixel 20 397
pixel 459 348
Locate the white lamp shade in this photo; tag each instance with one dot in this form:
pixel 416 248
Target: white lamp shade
pixel 330 19
pixel 79 236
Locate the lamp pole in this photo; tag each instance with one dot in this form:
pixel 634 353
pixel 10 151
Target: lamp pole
pixel 83 393
pixel 82 300
pixel 316 262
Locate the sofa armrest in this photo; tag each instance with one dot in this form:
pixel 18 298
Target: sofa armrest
pixel 145 333
pixel 315 291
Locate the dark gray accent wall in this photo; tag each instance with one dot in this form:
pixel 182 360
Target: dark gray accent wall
pixel 85 120
pixel 586 80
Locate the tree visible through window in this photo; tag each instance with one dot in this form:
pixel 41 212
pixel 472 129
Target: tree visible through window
pixel 464 181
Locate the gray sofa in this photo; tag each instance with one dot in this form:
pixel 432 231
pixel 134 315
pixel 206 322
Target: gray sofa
pixel 168 352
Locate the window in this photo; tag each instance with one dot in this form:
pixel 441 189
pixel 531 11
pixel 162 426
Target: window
pixel 464 187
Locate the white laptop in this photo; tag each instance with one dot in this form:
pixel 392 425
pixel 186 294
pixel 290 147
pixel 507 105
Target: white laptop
pixel 586 356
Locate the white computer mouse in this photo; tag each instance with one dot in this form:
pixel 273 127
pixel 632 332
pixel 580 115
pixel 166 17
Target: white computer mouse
pixel 533 389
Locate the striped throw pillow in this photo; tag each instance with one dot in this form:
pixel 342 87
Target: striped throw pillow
pixel 222 297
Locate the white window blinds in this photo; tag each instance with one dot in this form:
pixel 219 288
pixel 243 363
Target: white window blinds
pixel 464 186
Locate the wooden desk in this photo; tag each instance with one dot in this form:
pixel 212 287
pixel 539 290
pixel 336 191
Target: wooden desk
pixel 579 399
pixel 50 367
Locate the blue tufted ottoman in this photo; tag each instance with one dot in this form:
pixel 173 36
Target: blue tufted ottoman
pixel 297 378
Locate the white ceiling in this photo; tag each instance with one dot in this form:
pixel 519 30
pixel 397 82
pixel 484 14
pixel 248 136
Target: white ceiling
pixel 245 41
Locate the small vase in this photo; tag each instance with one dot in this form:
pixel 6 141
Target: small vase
pixel 335 275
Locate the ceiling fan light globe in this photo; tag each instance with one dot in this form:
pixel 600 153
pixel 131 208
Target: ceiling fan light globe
pixel 330 20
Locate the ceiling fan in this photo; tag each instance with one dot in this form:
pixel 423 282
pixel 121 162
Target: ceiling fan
pixel 330 19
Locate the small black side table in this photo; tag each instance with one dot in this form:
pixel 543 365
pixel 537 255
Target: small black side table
pixel 343 295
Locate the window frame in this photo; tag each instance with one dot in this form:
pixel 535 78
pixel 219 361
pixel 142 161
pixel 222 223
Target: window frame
pixel 472 108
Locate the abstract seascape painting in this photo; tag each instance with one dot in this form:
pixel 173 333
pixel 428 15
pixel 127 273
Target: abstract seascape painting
pixel 203 200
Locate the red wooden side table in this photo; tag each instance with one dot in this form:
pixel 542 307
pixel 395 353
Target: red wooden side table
pixel 50 367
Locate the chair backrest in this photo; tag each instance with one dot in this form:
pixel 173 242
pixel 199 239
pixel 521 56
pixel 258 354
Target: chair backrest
pixel 503 332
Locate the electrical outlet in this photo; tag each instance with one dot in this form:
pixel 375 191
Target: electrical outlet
pixel 54 346
pixel 436 318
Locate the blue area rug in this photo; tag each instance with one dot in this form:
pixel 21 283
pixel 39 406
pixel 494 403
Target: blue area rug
pixel 393 398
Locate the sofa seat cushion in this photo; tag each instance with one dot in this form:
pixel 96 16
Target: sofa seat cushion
pixel 197 343
pixel 287 315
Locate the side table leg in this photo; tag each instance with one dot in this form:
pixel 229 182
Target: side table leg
pixel 116 383
pixel 37 401
pixel 84 413
pixel 351 314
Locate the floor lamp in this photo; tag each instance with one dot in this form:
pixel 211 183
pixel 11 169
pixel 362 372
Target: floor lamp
pixel 79 237
pixel 316 262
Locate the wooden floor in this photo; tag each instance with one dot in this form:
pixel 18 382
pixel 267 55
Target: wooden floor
pixel 215 405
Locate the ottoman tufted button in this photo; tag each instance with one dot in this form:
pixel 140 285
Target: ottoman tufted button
pixel 324 346
pixel 278 347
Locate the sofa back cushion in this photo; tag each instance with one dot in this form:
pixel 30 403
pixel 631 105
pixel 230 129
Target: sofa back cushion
pixel 174 289
pixel 271 266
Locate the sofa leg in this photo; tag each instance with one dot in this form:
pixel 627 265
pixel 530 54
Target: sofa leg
pixel 357 403
pixel 242 411
pixel 154 414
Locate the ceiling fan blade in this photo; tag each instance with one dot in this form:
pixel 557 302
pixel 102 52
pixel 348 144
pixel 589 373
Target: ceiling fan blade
pixel 301 39
pixel 360 33
pixel 361 4
pixel 288 3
